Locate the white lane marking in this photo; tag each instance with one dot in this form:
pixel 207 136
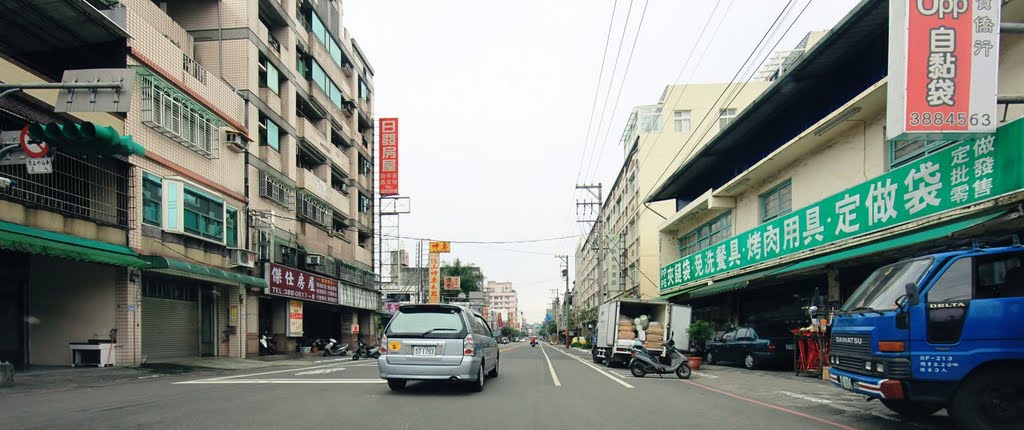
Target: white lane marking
pixel 551 368
pixel 320 371
pixel 805 397
pixel 623 383
pixel 703 375
pixel 287 381
pixel 329 360
pixel 261 373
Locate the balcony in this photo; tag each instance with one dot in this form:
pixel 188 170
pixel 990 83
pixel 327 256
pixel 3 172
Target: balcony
pixel 308 131
pixel 364 182
pixel 364 256
pixel 308 180
pixel 342 203
pixel 366 220
pixel 169 61
pixel 272 100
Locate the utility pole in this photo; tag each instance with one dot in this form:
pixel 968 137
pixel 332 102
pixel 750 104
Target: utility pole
pixel 565 300
pixel 588 212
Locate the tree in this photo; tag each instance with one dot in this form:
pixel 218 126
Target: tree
pixel 508 331
pixel 471 278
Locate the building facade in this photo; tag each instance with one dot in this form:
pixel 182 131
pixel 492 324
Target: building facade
pixel 822 197
pixel 619 255
pixel 502 302
pixel 251 209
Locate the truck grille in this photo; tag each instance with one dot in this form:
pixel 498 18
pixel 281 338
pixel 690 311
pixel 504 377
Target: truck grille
pixel 851 344
pixel 894 368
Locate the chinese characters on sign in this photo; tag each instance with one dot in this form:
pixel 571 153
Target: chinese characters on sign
pixel 937 364
pixel 391 308
pixel 294 318
pixel 440 247
pixel 943 65
pixel 288 282
pixel 434 295
pixel 388 156
pixel 964 173
pixel 452 282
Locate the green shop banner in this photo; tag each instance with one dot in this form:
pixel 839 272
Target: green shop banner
pixel 962 174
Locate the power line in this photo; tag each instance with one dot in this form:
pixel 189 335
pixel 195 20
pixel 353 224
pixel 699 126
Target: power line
pixel 618 96
pixel 497 242
pixel 597 88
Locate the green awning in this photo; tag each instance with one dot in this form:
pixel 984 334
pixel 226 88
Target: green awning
pixel 732 284
pixel 890 244
pixel 20 238
pixel 201 272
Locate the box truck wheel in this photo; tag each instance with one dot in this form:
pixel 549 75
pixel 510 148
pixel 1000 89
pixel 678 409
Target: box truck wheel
pixel 593 355
pixel 992 399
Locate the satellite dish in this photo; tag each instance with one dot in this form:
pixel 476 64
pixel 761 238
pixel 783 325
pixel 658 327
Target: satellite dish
pixel 462 295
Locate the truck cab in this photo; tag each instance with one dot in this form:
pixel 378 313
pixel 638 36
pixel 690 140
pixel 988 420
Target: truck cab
pixel 938 331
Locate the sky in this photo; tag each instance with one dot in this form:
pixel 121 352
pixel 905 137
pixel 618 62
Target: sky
pixel 495 103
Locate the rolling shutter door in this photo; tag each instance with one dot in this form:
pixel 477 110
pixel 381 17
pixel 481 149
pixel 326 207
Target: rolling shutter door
pixel 170 322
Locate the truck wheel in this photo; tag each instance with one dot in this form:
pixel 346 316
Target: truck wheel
pixel 709 358
pixel 593 356
pixel 750 362
pixel 990 400
pixel 910 409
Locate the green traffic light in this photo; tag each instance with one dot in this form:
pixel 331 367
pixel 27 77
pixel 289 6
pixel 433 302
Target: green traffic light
pixel 85 139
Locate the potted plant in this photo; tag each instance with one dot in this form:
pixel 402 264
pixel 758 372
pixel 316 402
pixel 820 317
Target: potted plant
pixel 700 332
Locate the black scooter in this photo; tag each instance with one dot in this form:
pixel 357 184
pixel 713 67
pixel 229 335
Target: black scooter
pixel 643 362
pixel 365 350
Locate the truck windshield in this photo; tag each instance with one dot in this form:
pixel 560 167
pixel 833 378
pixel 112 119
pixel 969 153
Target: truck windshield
pixel 885 285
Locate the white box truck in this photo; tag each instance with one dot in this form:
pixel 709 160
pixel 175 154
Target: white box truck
pixel 611 350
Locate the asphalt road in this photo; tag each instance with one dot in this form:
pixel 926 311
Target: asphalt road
pixel 530 393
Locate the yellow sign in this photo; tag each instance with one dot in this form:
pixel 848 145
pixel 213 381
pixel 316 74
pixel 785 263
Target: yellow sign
pixel 440 247
pixel 434 295
pixel 394 345
pixel 233 315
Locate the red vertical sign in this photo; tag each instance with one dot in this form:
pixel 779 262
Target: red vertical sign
pixel 388 156
pixel 939 55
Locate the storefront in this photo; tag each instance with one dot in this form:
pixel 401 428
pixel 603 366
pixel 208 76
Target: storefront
pixel 191 310
pixel 56 289
pixel 298 307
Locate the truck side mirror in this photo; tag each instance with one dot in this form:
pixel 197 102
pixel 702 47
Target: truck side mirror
pixel 913 295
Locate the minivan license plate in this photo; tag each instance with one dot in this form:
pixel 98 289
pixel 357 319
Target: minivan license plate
pixel 423 350
pixel 846 382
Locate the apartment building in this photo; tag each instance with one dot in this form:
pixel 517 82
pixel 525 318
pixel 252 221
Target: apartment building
pixel 502 302
pixel 619 255
pixel 250 210
pixel 776 208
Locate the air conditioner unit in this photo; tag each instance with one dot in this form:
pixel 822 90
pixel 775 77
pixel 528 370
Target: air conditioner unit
pixel 242 257
pixel 314 260
pixel 235 141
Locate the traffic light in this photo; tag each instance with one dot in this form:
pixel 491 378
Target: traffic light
pixel 85 139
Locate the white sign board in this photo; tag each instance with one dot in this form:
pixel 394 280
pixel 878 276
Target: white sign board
pixel 36 166
pixel 943 69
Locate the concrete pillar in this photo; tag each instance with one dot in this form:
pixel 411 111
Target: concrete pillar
pixel 128 314
pixel 833 286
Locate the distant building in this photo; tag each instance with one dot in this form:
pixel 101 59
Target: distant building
pixel 502 300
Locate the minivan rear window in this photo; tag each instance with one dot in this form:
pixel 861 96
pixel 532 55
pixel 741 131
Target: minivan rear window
pixel 437 323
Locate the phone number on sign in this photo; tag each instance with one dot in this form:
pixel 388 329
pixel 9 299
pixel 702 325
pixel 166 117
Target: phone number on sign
pixel 951 119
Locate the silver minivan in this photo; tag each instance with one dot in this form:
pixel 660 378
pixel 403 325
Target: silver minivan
pixel 437 342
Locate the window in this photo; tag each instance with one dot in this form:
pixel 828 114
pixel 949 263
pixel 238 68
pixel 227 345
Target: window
pixel 444 323
pixel 179 117
pixel 204 215
pixel 270 133
pixel 314 210
pixel 365 166
pixel 903 152
pixel 681 120
pixel 1000 276
pixel 650 119
pixel 726 117
pixel 152 192
pixel 270 77
pixel 744 334
pixel 777 201
pixel 276 191
pixel 364 91
pixel 364 204
pixel 711 233
pixel 302 65
pixel 231 227
pixel 320 78
pixel 955 283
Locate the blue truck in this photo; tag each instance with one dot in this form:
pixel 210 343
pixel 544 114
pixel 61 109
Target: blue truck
pixel 938 331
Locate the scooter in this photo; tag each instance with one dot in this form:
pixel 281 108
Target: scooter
pixel 643 362
pixel 365 350
pixel 267 345
pixel 331 347
pixel 533 342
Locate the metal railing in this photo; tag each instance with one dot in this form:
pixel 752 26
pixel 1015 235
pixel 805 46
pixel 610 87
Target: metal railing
pixel 93 189
pixel 193 68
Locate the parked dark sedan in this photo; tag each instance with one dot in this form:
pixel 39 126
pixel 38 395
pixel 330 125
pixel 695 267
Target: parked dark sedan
pixel 744 345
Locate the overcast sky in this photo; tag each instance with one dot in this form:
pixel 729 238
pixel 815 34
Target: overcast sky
pixel 494 101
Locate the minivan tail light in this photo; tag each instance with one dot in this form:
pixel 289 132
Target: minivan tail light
pixel 468 346
pixel 383 345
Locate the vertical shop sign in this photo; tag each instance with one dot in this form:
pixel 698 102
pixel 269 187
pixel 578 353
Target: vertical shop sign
pixel 434 295
pixel 388 156
pixel 294 318
pixel 943 69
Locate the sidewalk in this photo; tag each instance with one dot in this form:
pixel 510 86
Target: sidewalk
pixel 60 378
